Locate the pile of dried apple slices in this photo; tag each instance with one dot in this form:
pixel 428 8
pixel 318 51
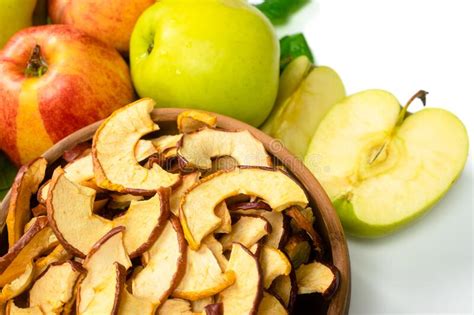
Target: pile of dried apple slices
pixel 198 222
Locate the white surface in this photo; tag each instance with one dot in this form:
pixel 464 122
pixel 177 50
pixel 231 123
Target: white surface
pixel 403 46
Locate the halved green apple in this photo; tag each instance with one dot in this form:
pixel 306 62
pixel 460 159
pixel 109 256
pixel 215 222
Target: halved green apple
pixel 382 169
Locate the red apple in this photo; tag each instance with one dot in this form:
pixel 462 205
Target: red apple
pixel 54 80
pixel 110 21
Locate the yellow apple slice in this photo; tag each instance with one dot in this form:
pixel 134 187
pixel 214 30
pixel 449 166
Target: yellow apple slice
pixel 18 285
pixel 56 255
pixel 187 181
pixel 247 231
pixel 106 265
pixel 113 150
pixel 273 263
pixel 316 277
pixel 383 170
pixel 55 287
pixel 203 276
pixel 166 142
pixel 69 202
pixel 130 304
pixel 198 148
pixel 25 185
pixel 175 307
pixel 192 120
pixel 36 241
pixel 216 247
pixel 165 265
pixel 286 289
pixel 12 309
pixel 270 305
pixel 197 207
pixel 245 295
pixel 223 212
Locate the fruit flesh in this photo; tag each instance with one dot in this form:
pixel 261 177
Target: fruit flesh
pixel 380 175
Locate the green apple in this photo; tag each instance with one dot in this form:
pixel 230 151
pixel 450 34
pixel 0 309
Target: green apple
pixel 382 169
pixel 215 55
pixel 305 95
pixel 14 16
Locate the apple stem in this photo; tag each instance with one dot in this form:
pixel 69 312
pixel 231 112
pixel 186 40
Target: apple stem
pixel 421 94
pixel 36 65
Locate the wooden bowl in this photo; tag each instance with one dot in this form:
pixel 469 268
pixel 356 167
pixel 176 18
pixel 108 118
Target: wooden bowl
pixel 327 221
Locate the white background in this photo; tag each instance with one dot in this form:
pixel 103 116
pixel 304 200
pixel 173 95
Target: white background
pixel 403 46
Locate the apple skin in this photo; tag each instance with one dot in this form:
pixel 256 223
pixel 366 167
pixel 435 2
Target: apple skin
pixel 14 15
pixel 215 55
pixel 110 21
pixel 86 81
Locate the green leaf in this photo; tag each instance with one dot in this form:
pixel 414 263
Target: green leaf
pixel 7 175
pixel 293 46
pixel 278 11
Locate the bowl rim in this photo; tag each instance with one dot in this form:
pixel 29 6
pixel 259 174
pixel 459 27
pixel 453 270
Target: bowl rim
pixel 340 302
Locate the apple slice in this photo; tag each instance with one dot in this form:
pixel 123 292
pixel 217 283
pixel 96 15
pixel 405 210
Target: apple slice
pixel 197 207
pixel 53 289
pixel 300 220
pixel 166 142
pixel 248 230
pixel 175 307
pixel 69 202
pixel 216 247
pixel 223 213
pixel 274 263
pixel 270 305
pixel 203 276
pixel 187 181
pixel 113 150
pixel 130 304
pixel 36 241
pixel 316 277
pixel 18 285
pixel 103 297
pixel 277 220
pixel 192 120
pixel 25 185
pixel 106 266
pixel 298 249
pixel 385 170
pixel 12 309
pixel 165 265
pixel 286 289
pixel 198 148
pixel 245 295
pixel 56 255
pixel 296 120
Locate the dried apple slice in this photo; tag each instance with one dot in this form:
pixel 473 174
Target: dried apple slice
pixel 165 265
pixel 298 249
pixel 273 263
pixel 113 150
pixel 223 212
pixel 144 149
pixel 37 240
pixel 55 287
pixel 216 247
pixel 25 185
pixel 166 142
pixel 316 277
pixel 58 254
pixel 106 265
pixel 197 206
pixel 306 225
pixel 270 305
pixel 192 120
pixel 69 202
pixel 278 222
pixel 245 295
pixel 187 181
pixel 203 276
pixel 175 307
pixel 12 309
pixel 18 285
pixel 130 304
pixel 198 148
pixel 248 230
pixel 286 289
